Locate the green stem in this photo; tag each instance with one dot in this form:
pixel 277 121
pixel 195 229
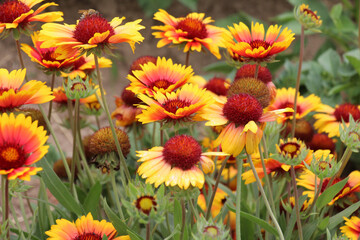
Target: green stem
pixel 257 70
pixel 105 105
pixel 47 206
pixel 302 36
pixel 22 208
pixel 208 210
pixel 193 209
pixel 344 160
pixel 116 195
pixel 97 122
pixel 317 194
pixel 134 135
pixel 51 102
pixel 148 231
pixel 19 55
pixel 75 153
pixel 183 218
pixel 67 169
pixel 5 204
pixel 297 210
pixel 277 226
pixel 238 197
pixel 187 58
pixel 161 134
pixel 14 215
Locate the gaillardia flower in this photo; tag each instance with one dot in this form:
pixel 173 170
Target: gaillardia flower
pixel 308 18
pixel 176 164
pixel 21 144
pixel 12 95
pixel 84 228
pixel 285 98
pixel 180 105
pixel 163 76
pixel 254 45
pixel 240 115
pixel 352 228
pixel 193 32
pixel 46 57
pixel 91 31
pixel 18 14
pixel 126 111
pixel 329 119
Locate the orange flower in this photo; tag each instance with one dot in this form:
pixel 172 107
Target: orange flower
pixel 47 57
pixel 91 31
pixel 192 31
pixel 13 96
pixel 21 144
pixel 254 45
pixel 164 76
pixel 180 105
pixel 352 228
pixel 240 115
pixel 17 14
pixel 84 228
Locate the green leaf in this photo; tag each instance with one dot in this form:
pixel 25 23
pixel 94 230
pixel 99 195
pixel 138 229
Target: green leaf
pixel 104 237
pixel 28 236
pixel 219 67
pixel 92 199
pixel 309 229
pixel 330 61
pixel 338 218
pixel 263 224
pixel 335 14
pixel 191 4
pixel 177 217
pixel 291 223
pixel 58 189
pixel 323 223
pixel 119 225
pixel 355 62
pixel 151 6
pixel 330 193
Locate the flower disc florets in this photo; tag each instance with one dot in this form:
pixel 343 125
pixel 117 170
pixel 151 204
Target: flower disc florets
pixel 12 9
pixel 78 88
pixel 323 164
pixel 193 27
pixel 291 152
pixel 182 151
pixel 308 18
pixel 141 61
pixel 217 85
pixel 129 98
pixel 242 108
pixel 92 22
pixel 303 130
pixel 145 204
pixel 343 111
pixel 208 230
pixel 321 141
pixel 253 87
pixel 248 70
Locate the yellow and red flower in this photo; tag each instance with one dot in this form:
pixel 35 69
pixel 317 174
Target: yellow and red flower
pixel 329 119
pixel 18 14
pixel 240 115
pixel 91 31
pixel 176 164
pixel 83 228
pixel 307 180
pixel 285 98
pixel 254 45
pixel 352 228
pixel 21 144
pixel 13 95
pixel 180 105
pixel 192 31
pixel 164 76
pixel 47 57
pixel 126 112
pixel 85 66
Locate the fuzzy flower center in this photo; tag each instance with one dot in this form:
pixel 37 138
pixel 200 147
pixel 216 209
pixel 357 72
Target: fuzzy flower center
pixel 182 151
pixel 129 98
pixel 193 27
pixel 136 65
pixel 344 110
pixel 211 231
pixel 145 204
pixel 173 105
pixel 217 86
pixel 248 70
pixel 91 24
pixel 242 108
pixel 290 149
pixel 259 43
pixel 10 10
pixel 89 236
pixel 11 157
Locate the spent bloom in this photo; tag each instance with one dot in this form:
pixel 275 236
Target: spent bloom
pixel 92 33
pixel 193 32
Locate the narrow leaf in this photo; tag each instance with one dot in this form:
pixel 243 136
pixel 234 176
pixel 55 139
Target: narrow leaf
pixel 92 199
pixel 330 193
pixel 338 218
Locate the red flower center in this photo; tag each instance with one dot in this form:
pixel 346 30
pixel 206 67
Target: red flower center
pixel 321 141
pixel 129 97
pixel 182 151
pixel 344 110
pixel 12 9
pixel 291 105
pixel 193 27
pixel 78 63
pixel 248 70
pixel 89 236
pixel 242 108
pixel 290 148
pixel 161 83
pixel 217 86
pixel 145 204
pixel 173 105
pixel 91 24
pixel 259 43
pixel 308 11
pixel 141 61
pixel 11 156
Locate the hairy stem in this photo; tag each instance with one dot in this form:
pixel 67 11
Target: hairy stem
pixel 239 164
pixel 51 102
